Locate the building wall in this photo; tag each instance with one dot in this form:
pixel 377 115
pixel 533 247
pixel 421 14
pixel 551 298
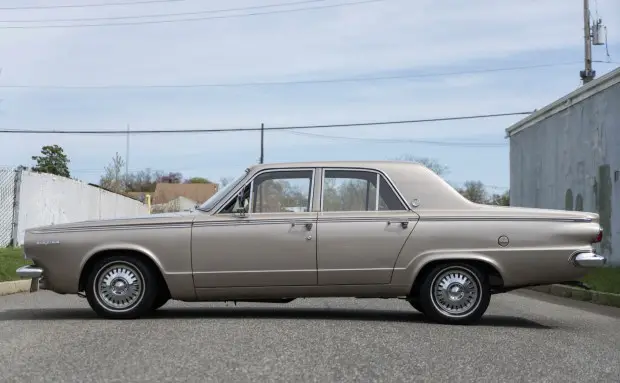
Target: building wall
pixel 571 161
pixel 45 199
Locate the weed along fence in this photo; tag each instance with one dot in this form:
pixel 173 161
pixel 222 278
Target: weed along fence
pixel 30 199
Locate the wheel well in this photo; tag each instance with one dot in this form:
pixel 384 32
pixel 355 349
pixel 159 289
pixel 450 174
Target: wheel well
pixel 132 253
pixel 495 278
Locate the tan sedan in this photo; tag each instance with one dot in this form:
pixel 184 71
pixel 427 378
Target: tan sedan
pixel 371 229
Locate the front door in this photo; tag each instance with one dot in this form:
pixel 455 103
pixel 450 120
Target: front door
pixel 274 244
pixel 363 225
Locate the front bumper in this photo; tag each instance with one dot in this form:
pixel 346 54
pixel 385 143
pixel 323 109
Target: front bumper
pixel 588 259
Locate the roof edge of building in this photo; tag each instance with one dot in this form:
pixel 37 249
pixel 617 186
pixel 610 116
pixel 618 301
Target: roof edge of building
pixel 574 97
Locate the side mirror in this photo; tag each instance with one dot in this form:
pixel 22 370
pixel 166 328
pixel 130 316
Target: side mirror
pixel 241 206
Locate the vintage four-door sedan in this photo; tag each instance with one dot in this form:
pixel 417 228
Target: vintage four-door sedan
pixel 364 229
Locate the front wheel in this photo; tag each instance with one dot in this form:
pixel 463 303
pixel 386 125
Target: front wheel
pixel 454 293
pixel 162 298
pixel 121 287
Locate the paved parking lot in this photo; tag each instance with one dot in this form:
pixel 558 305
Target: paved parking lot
pixel 48 337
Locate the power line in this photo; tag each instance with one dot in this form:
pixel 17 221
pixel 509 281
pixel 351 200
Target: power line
pixel 293 82
pixel 275 128
pixel 404 140
pixel 211 11
pixel 193 19
pixel 87 5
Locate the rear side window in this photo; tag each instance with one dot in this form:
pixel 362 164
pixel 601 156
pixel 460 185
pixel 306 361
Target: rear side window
pixel 356 190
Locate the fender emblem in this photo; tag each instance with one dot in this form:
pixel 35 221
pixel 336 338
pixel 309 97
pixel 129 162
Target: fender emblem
pixel 48 242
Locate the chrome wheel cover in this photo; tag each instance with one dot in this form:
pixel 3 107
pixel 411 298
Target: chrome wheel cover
pixel 456 292
pixel 119 286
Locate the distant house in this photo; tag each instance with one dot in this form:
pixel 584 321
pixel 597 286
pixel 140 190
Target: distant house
pixel 165 192
pixel 176 194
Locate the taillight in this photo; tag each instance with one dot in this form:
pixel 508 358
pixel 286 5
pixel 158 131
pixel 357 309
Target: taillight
pixel 599 236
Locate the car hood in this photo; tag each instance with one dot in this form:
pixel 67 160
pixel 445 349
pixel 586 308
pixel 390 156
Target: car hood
pixel 124 221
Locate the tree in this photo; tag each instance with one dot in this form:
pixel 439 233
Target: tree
pixel 225 181
pixel 143 181
pixel 52 160
pixel 197 180
pixel 113 178
pixel 500 199
pixel 170 178
pixel 474 191
pixel 430 163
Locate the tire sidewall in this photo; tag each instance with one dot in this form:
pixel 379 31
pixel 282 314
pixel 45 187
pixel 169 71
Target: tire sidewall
pixel 149 294
pixel 426 303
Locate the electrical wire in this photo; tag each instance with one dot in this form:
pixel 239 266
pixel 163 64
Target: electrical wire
pixel 404 140
pixel 353 3
pixel 274 128
pixel 139 2
pixel 294 82
pixel 211 11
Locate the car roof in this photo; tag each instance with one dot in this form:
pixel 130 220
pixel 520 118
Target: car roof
pixel 345 164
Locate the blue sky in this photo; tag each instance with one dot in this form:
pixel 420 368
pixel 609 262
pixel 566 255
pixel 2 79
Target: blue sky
pixel 391 37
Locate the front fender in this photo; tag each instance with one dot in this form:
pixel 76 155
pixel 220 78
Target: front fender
pixel 120 246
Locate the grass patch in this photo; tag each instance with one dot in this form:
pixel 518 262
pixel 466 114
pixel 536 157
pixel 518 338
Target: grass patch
pixel 10 260
pixel 605 279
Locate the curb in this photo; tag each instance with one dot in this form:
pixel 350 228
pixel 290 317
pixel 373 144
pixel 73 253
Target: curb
pixel 14 287
pixel 579 294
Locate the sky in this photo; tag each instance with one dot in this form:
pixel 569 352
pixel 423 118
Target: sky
pixel 445 55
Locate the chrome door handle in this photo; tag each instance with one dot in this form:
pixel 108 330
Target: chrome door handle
pixel 308 225
pixel 404 224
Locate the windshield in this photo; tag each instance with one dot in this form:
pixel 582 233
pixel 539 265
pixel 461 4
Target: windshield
pixel 215 198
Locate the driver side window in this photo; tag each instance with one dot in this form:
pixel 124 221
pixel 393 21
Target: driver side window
pixel 282 191
pixel 276 192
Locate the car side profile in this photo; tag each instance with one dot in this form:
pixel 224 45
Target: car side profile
pixel 362 229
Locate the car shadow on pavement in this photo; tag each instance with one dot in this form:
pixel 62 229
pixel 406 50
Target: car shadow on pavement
pixel 327 314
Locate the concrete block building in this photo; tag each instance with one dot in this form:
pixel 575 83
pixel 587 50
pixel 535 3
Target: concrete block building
pixel 567 156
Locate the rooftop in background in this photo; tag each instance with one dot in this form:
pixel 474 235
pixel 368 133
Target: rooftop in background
pixel 576 96
pixel 165 192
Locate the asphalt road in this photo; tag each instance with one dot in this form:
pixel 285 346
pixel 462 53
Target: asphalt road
pixel 48 337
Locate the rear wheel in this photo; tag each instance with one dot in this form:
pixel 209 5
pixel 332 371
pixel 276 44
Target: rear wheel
pixel 454 293
pixel 121 287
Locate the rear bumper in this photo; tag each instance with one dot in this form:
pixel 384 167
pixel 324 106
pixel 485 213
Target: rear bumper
pixel 588 259
pixel 30 272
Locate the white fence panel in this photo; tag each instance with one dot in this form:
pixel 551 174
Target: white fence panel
pixel 45 199
pixel 7 199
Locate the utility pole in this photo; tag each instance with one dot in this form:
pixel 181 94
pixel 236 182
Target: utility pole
pixel 588 74
pixel 127 156
pixel 595 34
pixel 262 143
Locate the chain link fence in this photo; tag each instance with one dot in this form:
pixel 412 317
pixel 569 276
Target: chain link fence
pixel 7 201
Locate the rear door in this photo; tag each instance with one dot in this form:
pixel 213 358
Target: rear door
pixel 362 227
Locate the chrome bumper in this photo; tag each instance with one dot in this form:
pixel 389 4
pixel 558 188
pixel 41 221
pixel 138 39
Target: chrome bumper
pixel 29 271
pixel 589 259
